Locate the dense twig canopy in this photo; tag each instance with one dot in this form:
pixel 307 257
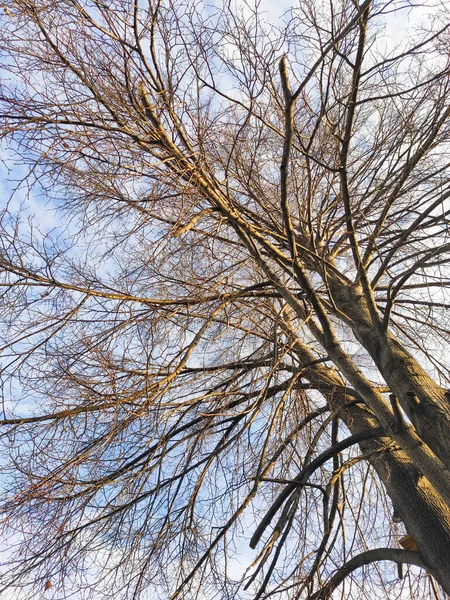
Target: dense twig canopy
pixel 225 362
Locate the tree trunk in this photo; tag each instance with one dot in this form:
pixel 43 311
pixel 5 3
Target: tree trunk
pixel 425 402
pixel 424 512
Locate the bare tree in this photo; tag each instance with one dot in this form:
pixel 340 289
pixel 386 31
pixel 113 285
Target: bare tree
pixel 234 345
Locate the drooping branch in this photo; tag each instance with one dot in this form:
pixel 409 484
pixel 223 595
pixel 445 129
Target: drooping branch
pixel 304 475
pixel 365 558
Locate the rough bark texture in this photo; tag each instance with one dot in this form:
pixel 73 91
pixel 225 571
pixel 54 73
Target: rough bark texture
pixel 425 403
pixel 412 495
pixel 411 492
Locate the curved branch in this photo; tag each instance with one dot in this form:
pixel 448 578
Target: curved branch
pixel 365 558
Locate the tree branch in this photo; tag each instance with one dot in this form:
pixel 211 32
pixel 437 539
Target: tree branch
pixel 365 558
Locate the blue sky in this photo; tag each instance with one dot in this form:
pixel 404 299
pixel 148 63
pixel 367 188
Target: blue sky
pixel 40 210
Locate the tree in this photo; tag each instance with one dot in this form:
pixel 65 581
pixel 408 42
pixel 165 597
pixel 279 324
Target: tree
pixel 237 333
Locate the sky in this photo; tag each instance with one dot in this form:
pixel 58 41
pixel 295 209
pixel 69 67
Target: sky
pixel 43 213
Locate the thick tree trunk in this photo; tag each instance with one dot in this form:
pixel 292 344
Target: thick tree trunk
pixel 425 514
pixel 425 402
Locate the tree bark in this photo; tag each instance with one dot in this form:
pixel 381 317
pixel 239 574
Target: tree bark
pixel 424 401
pixel 411 493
